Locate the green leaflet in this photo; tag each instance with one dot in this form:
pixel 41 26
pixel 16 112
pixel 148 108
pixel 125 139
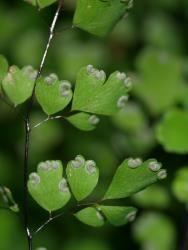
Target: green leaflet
pixel 47 187
pixel 84 121
pixel 160 83
pixel 92 94
pixel 90 216
pixel 52 94
pixel 172 131
pixel 41 3
pixel 99 17
pixel 3 67
pixel 132 176
pixel 117 215
pixel 82 177
pixel 180 185
pixel 18 84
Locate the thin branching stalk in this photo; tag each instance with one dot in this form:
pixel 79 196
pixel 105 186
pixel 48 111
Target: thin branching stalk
pixel 28 130
pixel 50 219
pixel 46 120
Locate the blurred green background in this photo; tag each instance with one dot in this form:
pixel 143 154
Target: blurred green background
pixel 151 44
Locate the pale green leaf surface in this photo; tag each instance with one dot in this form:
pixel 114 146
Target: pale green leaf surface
pixel 99 17
pixel 82 177
pixel 132 176
pixel 51 95
pixel 47 187
pixel 83 121
pixel 18 85
pixel 172 131
pixel 92 94
pixel 117 215
pixel 135 144
pixel 90 216
pixel 180 185
pixel 3 67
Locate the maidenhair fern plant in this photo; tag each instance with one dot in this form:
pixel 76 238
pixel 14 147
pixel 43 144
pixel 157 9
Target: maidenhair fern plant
pixel 53 185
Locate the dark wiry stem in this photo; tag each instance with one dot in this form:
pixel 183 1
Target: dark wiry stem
pixel 26 156
pixel 27 128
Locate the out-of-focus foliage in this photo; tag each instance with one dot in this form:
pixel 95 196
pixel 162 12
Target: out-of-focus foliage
pixel 3 66
pixel 155 196
pixel 180 185
pixel 10 222
pixel 172 131
pixel 71 54
pixel 85 244
pixel 150 45
pixel 155 231
pixel 163 34
pixel 160 81
pixel 8 200
pixel 131 119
